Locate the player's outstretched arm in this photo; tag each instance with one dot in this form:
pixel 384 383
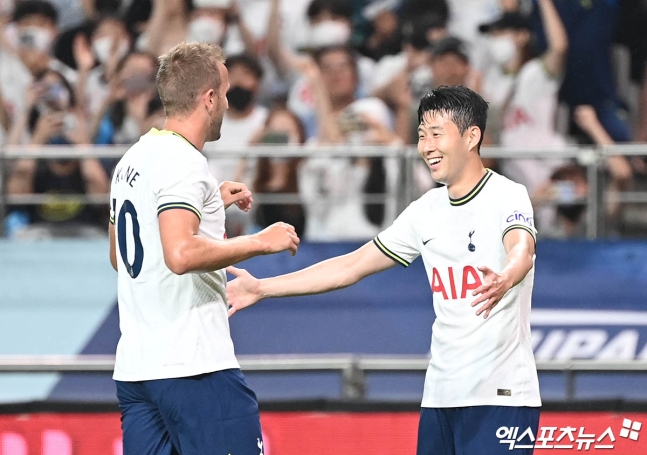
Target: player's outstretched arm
pixel 335 273
pixel 520 247
pixel 186 251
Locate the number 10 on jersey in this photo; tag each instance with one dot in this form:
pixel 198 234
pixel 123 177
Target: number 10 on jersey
pixel 120 224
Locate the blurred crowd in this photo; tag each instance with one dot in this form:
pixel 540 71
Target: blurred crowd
pixel 327 72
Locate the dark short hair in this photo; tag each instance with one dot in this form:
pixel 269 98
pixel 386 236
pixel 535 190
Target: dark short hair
pixel 248 61
pixel 465 107
pixel 334 7
pixel 320 53
pixel 35 8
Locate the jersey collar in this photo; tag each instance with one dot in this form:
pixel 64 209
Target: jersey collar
pixel 476 190
pixel 155 132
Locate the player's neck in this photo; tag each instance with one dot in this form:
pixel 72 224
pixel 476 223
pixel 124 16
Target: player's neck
pixel 471 176
pixel 189 129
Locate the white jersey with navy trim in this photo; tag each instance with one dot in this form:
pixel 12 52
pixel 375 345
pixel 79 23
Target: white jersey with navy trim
pixel 171 325
pixel 474 361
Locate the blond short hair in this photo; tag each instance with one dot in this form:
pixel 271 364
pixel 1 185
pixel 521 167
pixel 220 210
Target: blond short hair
pixel 187 70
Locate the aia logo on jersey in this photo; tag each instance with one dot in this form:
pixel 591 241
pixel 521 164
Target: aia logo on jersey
pixel 469 280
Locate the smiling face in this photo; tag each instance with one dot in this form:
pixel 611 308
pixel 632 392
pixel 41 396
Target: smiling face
pixel 441 144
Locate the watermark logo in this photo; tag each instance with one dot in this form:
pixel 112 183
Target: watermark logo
pixel 574 438
pixel 630 429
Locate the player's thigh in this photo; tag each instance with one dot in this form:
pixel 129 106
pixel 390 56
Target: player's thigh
pixel 144 430
pixel 210 414
pixel 436 431
pixel 477 426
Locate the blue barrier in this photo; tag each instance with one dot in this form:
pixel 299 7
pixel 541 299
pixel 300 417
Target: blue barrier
pixel 589 302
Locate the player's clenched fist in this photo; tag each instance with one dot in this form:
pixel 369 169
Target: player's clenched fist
pixel 242 292
pixel 279 237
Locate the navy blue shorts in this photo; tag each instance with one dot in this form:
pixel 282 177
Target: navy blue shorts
pixel 210 414
pixel 477 430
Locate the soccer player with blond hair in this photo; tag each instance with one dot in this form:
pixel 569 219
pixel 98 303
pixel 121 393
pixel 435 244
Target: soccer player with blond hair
pixel 179 384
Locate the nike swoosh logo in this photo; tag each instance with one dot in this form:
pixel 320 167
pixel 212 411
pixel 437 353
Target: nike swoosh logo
pixel 424 242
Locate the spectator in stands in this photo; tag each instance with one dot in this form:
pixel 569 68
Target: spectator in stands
pixel 588 79
pixel 97 59
pixel 242 120
pixel 564 194
pixel 37 30
pixel 278 175
pixel 386 36
pixel 121 118
pixel 618 168
pixel 174 21
pixel 425 10
pixel 25 53
pixel 50 117
pixel 343 118
pixel 167 25
pixel 420 37
pixel 330 25
pixel 450 64
pixel 529 111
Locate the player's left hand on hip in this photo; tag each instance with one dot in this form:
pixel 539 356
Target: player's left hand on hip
pixel 236 193
pixel 491 291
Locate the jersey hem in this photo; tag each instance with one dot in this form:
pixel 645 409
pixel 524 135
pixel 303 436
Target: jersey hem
pixel 488 402
pixel 173 373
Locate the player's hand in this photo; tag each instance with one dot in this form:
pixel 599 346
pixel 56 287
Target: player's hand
pixel 243 291
pixel 279 237
pixel 236 193
pixel 491 291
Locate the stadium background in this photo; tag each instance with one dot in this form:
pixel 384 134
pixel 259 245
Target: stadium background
pixel 58 292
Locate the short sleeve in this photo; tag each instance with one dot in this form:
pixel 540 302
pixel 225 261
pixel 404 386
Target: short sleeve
pixel 517 213
pixel 183 185
pixel 398 241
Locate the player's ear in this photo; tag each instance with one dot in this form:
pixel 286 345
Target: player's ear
pixel 211 99
pixel 473 136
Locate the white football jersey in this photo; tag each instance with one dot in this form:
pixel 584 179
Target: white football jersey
pixel 474 361
pixel 171 325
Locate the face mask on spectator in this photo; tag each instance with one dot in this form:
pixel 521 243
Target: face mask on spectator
pixel 329 33
pixel 502 49
pixel 102 48
pixel 37 38
pixel 206 30
pixel 239 98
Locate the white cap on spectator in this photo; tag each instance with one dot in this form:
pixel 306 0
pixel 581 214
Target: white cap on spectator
pixel 212 3
pixel 371 11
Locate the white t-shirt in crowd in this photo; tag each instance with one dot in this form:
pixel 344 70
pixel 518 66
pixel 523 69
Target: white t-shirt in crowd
pixel 332 188
pixel 529 121
pixel 171 325
pixel 474 361
pixel 14 80
pixel 236 133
